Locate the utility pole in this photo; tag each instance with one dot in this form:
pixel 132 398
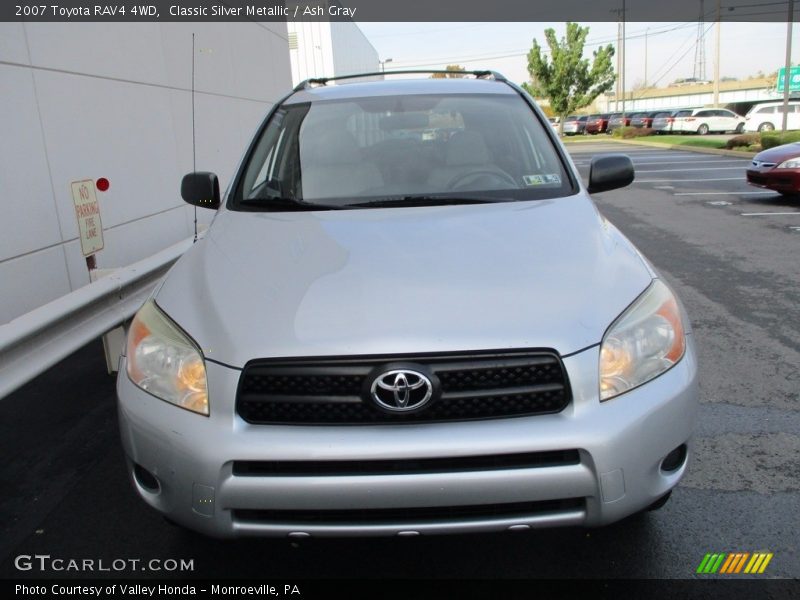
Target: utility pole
pixel 619 65
pixel 787 72
pixel 623 62
pixel 716 57
pixel 647 29
pixel 620 59
pixel 700 48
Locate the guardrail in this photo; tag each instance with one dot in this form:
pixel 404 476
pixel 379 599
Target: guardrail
pixel 35 341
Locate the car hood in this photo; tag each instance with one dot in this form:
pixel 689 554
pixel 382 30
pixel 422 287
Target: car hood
pixel 779 154
pixel 542 274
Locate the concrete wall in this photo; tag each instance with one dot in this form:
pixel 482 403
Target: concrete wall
pixel 352 51
pixel 90 100
pixel 689 100
pixel 325 49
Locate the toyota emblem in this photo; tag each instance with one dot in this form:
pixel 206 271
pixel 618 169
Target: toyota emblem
pixel 401 390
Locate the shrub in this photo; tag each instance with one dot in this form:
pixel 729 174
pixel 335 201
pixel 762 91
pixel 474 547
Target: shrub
pixel 631 132
pixel 770 140
pixel 745 140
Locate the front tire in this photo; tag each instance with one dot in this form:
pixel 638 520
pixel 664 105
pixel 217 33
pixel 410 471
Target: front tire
pixel 766 127
pixel 739 128
pixel 702 130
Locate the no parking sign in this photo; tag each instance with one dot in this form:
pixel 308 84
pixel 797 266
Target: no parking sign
pixel 87 210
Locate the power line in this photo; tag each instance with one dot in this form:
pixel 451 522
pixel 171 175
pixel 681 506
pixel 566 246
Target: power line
pixel 514 53
pixel 675 63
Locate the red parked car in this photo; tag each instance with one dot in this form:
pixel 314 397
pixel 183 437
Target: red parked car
pixel 777 169
pixel 597 123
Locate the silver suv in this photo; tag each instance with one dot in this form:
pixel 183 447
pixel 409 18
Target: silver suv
pixel 407 317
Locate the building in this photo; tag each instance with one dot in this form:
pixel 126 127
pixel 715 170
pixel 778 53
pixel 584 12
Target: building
pixel 736 95
pixel 88 100
pixel 327 49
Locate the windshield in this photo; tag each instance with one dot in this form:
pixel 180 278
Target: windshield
pixel 340 153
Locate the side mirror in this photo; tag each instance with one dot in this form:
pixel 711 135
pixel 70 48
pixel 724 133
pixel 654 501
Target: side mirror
pixel 201 188
pixel 609 172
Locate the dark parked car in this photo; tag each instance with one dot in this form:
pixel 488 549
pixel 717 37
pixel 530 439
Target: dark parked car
pixel 645 119
pixel 617 120
pixel 777 169
pixel 667 122
pixel 597 123
pixel 574 124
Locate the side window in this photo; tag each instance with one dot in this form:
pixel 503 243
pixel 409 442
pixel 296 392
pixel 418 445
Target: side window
pixel 705 113
pixel 766 110
pixel 265 155
pixel 272 170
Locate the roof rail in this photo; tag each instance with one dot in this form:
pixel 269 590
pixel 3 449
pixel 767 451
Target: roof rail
pixel 484 74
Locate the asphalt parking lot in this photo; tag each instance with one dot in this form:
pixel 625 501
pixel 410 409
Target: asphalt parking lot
pixel 733 254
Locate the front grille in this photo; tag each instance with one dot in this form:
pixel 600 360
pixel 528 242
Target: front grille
pixel 405 466
pixel 415 515
pixel 336 391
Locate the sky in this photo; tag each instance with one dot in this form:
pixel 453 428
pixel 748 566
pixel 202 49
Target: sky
pixel 745 48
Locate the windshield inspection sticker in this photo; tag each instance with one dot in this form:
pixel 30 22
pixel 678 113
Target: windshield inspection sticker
pixel 548 179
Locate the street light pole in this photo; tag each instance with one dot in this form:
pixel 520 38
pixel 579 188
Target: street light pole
pixel 646 31
pixel 383 64
pixel 788 70
pixel 623 62
pixel 716 58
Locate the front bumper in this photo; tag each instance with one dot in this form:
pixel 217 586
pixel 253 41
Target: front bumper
pixel 779 180
pixel 620 444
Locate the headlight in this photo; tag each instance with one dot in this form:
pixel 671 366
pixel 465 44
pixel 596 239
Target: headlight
pixel 163 361
pixel 646 340
pixel 792 163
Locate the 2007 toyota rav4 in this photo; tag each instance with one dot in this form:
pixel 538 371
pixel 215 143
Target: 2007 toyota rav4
pixel 407 317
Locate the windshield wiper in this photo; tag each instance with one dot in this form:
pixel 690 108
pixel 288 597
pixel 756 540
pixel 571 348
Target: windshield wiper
pixel 280 203
pixel 428 200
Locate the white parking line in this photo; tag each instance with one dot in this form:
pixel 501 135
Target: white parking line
pixel 682 170
pixel 720 193
pixel 689 162
pixel 635 156
pixel 764 214
pixel 680 180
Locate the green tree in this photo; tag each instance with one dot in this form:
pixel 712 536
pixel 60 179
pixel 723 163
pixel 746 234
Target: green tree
pixel 567 79
pixel 456 72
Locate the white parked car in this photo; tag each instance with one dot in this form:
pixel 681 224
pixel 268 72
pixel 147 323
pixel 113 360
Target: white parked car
pixel 708 120
pixel 769 116
pixel 671 121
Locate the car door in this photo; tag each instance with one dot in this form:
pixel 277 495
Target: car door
pixel 680 123
pixel 702 117
pixel 724 120
pixel 793 119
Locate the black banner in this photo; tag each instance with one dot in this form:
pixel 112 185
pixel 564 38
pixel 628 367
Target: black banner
pixel 398 10
pixel 407 589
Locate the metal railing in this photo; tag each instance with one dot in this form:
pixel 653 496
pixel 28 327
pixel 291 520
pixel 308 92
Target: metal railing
pixel 35 341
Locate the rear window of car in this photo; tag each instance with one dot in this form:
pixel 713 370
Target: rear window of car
pixel 662 115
